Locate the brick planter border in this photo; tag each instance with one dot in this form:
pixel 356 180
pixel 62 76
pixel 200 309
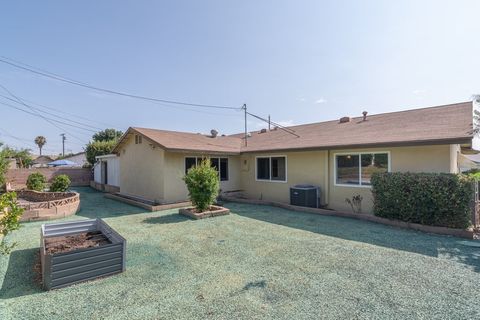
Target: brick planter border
pixel 63 204
pixel 146 206
pixel 217 211
pixel 462 233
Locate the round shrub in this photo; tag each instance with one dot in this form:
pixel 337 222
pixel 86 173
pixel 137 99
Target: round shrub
pixel 36 181
pixel 203 185
pixel 61 183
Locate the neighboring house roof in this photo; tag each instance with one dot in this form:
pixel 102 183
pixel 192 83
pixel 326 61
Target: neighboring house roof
pixel 473 157
pixel 78 158
pixel 42 160
pixel 106 156
pixel 443 124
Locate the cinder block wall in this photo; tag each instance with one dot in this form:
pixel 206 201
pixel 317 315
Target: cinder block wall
pixel 78 176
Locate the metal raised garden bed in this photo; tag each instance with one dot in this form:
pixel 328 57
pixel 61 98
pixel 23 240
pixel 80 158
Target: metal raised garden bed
pixel 61 269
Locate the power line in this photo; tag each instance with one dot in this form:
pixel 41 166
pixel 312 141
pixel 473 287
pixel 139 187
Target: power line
pixel 26 67
pixel 286 129
pixel 36 113
pixel 27 142
pixel 61 111
pixel 55 115
pixel 45 118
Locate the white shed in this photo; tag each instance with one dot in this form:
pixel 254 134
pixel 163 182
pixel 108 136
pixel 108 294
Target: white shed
pixel 106 170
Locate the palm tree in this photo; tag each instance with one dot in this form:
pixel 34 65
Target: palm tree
pixel 40 141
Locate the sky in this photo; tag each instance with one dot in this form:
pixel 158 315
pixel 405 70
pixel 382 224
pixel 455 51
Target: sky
pixel 298 61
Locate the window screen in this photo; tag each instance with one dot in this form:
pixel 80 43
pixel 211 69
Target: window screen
pixel 263 168
pixel 348 169
pixel 223 169
pixel 190 162
pixel 278 168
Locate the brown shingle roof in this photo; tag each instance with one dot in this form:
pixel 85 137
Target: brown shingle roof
pixel 443 124
pixel 449 124
pixel 186 141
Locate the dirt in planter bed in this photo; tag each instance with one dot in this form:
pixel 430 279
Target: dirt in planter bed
pixel 211 208
pixel 68 243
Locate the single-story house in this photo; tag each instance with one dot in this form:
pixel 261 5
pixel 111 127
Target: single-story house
pixel 338 156
pixel 79 159
pixel 41 161
pixel 469 162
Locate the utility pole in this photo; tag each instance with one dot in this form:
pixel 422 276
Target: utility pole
pixel 268 122
pixel 244 107
pixel 63 143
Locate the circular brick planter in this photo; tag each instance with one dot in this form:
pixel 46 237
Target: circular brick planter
pixel 47 205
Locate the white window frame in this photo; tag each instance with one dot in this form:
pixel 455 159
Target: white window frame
pixel 205 157
pixel 360 185
pixel 138 139
pixel 270 160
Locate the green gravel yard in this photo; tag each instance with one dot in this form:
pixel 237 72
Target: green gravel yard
pixel 257 263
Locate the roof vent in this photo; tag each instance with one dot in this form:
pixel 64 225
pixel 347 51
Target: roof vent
pixel 344 119
pixel 364 115
pixel 275 128
pixel 263 131
pixel 214 133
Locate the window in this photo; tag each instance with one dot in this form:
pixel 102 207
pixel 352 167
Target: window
pixel 138 139
pixel 220 164
pixel 190 162
pixel 263 168
pixel 272 168
pixel 224 169
pixel 356 169
pixel 278 168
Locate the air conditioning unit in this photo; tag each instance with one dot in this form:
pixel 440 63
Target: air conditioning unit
pixel 305 196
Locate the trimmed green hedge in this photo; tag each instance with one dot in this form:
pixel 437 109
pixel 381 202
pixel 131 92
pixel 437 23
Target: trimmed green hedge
pixel 427 198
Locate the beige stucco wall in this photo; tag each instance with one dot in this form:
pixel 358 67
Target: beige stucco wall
pixel 302 168
pixel 141 171
pixel 403 159
pixel 317 168
pixel 175 189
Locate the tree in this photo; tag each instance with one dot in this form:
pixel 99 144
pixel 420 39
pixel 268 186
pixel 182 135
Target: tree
pixel 22 156
pixel 107 135
pixel 10 220
pixel 3 167
pixel 476 115
pixel 98 148
pixel 40 141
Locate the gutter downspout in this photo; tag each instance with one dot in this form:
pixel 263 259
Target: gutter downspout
pixel 327 178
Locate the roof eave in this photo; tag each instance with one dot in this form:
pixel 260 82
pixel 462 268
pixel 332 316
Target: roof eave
pixel 460 140
pixel 202 152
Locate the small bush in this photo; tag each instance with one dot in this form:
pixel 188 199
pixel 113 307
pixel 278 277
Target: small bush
pixel 426 198
pixel 355 203
pixel 60 183
pixel 36 181
pixel 203 185
pixel 10 220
